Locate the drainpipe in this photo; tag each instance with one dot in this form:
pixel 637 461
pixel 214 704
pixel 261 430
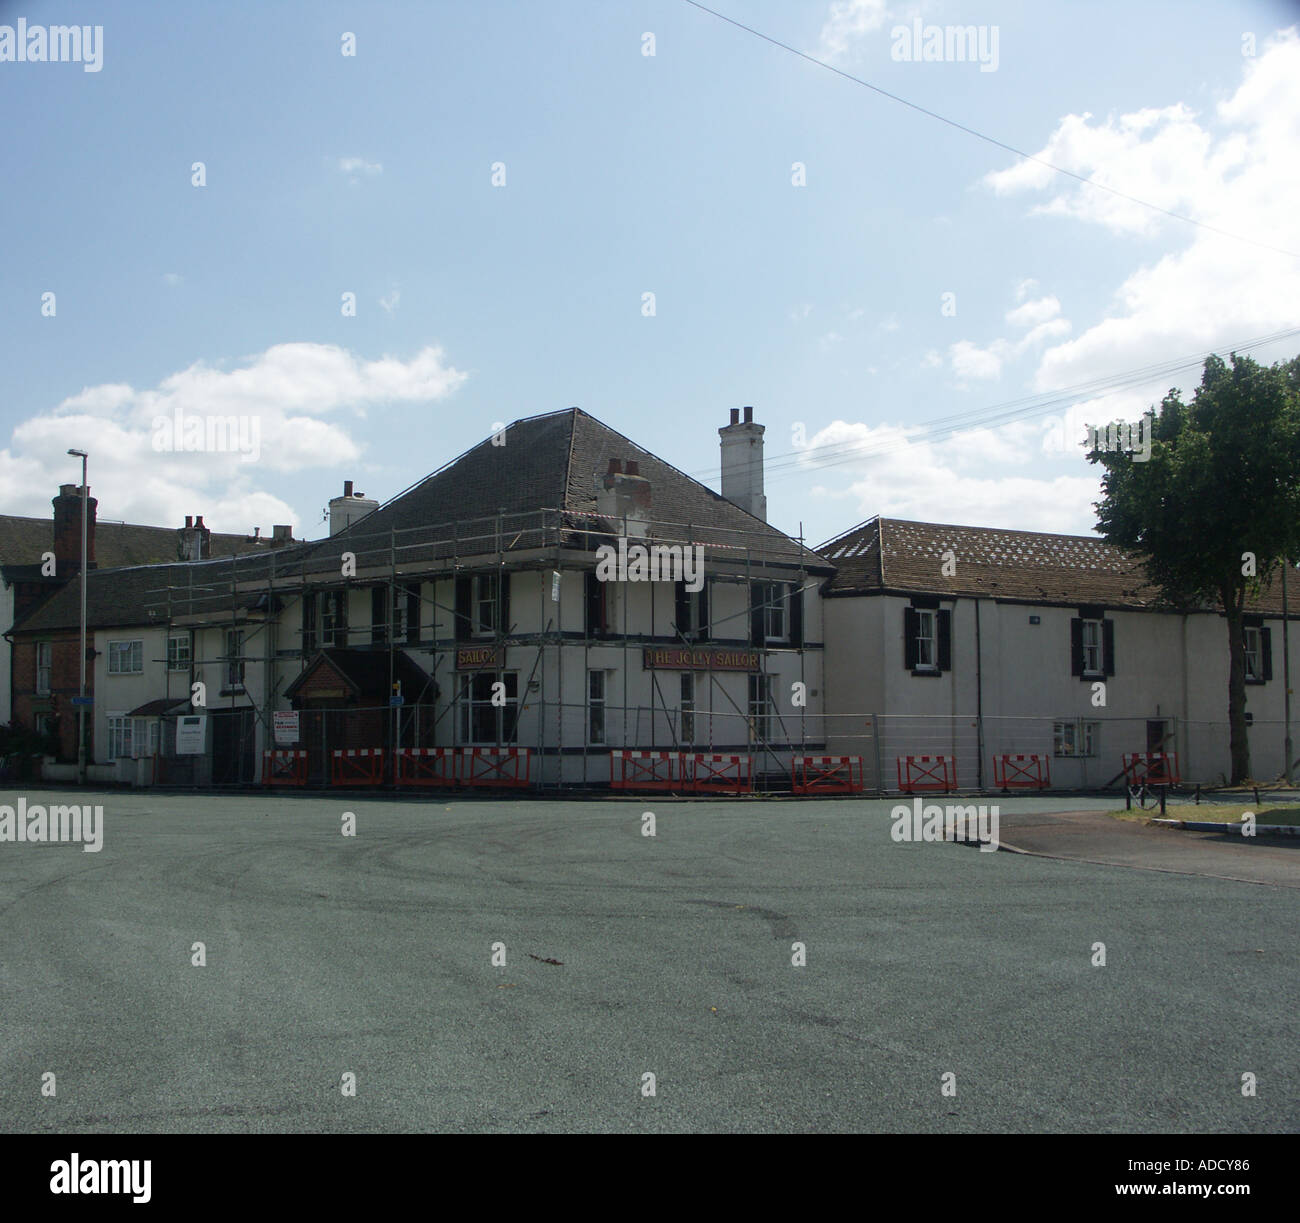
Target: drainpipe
pixel 979 692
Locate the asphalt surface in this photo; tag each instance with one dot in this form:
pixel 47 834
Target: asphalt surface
pixel 371 955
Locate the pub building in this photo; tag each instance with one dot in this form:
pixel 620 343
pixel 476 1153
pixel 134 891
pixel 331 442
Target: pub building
pixel 467 613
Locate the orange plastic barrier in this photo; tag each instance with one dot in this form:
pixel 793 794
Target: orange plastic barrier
pixel 826 774
pixel 1151 768
pixel 1032 772
pixel 713 773
pixel 916 773
pixel 284 767
pixel 648 770
pixel 494 766
pixel 362 766
pixel 427 766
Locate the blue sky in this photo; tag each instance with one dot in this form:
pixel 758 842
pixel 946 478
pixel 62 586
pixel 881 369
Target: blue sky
pixel 821 304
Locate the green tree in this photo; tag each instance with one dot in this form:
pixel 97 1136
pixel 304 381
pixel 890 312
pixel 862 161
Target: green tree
pixel 1215 510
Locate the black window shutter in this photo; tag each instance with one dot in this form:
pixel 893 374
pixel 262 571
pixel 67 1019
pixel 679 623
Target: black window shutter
pixel 341 619
pixel 595 604
pixel 681 610
pixel 309 622
pixel 945 639
pixel 757 592
pixel 378 614
pixel 413 605
pixel 1076 646
pixel 503 586
pixel 1108 646
pixel 910 628
pixel 1266 653
pixel 704 611
pixel 464 594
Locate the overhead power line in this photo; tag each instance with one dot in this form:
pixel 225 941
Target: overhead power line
pixel 1026 408
pixel 1001 144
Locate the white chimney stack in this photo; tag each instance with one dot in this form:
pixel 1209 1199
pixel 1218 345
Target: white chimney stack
pixel 742 463
pixel 345 510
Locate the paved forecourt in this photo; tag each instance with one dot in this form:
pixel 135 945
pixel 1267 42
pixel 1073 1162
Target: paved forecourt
pixel 371 955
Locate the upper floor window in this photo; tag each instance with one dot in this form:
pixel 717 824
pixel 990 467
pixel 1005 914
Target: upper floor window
pixel 927 639
pixel 234 658
pixel 125 657
pixel 482 605
pixel 44 665
pixel 1258 644
pixel 1092 645
pixel 775 614
pixel 178 652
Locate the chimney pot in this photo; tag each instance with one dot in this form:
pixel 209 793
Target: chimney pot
pixel 615 467
pixel 198 522
pixel 189 521
pixel 749 416
pixel 347 488
pixel 633 468
pixel 735 416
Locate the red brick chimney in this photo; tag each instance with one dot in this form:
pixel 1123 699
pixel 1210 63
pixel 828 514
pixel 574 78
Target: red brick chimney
pixel 67 529
pixel 193 540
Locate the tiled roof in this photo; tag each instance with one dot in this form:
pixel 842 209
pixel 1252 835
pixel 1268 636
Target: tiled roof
pixel 890 554
pixel 553 462
pixel 22 540
pixel 549 463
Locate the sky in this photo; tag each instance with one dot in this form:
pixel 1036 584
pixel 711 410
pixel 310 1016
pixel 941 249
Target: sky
pixel 923 320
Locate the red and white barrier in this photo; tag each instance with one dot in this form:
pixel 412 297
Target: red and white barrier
pixel 1032 772
pixel 826 774
pixel 719 773
pixel 1151 768
pixel 648 770
pixel 362 766
pixel 494 766
pixel 284 767
pixel 426 766
pixel 921 773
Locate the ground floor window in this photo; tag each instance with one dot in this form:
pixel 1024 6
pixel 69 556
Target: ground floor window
pixel 489 707
pixel 596 708
pixel 760 708
pixel 1075 738
pixel 131 737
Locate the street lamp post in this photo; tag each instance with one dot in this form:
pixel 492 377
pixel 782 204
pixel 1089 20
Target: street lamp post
pixel 81 705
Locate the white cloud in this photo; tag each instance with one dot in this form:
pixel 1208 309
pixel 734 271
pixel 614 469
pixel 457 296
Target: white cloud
pixel 1236 171
pixel 1034 312
pixel 284 394
pixel 971 361
pixel 962 479
pixel 848 21
pixel 172 279
pixel 359 165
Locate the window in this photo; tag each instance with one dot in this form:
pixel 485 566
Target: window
pixel 178 652
pixel 125 657
pixel 489 714
pixel 596 707
pixel 1075 738
pixel 1259 653
pixel 691 612
pixel 486 603
pixel 927 638
pixel 686 726
pixel 44 663
pixel 333 618
pixel 774 596
pixel 122 737
pixel 598 601
pixel 775 614
pixel 234 659
pixel 760 708
pixel 1092 645
pixel 925 643
pixel 1092 658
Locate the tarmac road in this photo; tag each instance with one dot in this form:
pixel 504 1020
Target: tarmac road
pixel 371 955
